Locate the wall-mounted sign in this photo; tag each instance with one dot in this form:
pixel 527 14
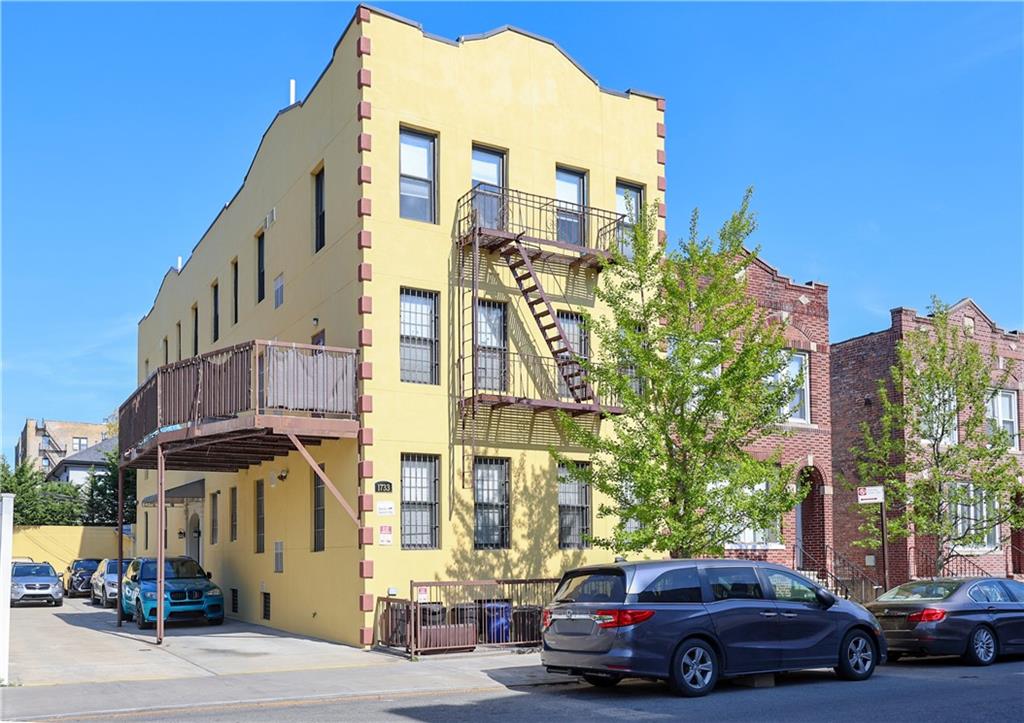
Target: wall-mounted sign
pixel 871 495
pixel 382 486
pixel 422 594
pixel 385 508
pixel 385 535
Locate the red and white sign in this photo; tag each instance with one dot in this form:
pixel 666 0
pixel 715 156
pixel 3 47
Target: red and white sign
pixel 384 535
pixel 872 495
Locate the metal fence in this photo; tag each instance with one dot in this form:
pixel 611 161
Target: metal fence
pixel 460 615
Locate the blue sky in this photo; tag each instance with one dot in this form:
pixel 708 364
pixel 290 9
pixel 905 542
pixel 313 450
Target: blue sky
pixel 884 142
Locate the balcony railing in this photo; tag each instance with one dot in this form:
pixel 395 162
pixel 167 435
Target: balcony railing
pixel 254 377
pixel 501 377
pixel 505 213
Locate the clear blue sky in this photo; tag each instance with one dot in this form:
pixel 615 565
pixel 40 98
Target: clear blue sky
pixel 884 141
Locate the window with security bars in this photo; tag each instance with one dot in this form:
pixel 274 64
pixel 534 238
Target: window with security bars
pixel 492 346
pixel 576 335
pixel 234 599
pixel 573 508
pixel 419 344
pixel 490 511
pixel 318 512
pixel 266 605
pixel 420 503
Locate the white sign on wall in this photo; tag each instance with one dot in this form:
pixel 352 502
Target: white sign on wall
pixel 385 535
pixel 386 508
pixel 422 594
pixel 871 495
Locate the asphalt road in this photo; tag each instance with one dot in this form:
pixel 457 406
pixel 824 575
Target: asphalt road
pixel 931 690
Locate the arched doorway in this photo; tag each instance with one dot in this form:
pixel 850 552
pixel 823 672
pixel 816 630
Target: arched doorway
pixel 810 522
pixel 194 540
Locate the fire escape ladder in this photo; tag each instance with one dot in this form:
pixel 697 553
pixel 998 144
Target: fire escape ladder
pixel 567 363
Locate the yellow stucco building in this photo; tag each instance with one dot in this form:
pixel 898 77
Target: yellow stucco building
pixel 424 226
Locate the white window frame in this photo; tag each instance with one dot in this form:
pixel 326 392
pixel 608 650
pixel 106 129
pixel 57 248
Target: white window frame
pixel 750 538
pixel 430 178
pixel 953 435
pixel 987 508
pixel 789 409
pixel 994 413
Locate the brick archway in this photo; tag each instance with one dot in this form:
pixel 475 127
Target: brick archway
pixel 815 512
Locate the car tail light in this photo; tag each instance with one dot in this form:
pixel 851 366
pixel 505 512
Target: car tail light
pixel 545 619
pixel 928 615
pixel 620 618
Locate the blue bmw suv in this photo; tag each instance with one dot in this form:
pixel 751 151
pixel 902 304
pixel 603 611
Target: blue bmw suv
pixel 188 592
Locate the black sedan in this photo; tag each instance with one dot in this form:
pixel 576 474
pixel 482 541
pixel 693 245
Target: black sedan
pixel 976 618
pixel 78 579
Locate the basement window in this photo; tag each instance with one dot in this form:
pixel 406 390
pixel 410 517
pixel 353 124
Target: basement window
pixel 234 599
pixel 266 605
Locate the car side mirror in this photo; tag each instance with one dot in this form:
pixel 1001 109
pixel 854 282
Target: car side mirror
pixel 134 577
pixel 209 575
pixel 825 598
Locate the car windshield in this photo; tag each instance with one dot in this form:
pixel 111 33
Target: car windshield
pixel 592 586
pixel 921 590
pixel 85 565
pixel 112 566
pixel 33 570
pixel 178 569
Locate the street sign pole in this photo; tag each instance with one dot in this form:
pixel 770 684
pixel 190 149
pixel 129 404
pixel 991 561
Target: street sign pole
pixel 885 546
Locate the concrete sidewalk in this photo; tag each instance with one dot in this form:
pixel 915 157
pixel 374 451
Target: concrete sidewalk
pixel 376 674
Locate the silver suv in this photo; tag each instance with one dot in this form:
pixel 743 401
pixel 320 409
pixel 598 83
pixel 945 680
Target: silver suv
pixel 36 582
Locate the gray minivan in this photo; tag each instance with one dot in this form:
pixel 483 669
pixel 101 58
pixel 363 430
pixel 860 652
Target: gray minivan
pixel 691 622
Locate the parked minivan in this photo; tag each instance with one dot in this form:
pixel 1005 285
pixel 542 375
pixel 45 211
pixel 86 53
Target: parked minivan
pixel 691 622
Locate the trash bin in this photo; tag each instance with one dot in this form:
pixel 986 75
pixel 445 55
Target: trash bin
pixel 468 613
pixel 431 613
pixel 526 624
pixel 396 626
pixel 496 621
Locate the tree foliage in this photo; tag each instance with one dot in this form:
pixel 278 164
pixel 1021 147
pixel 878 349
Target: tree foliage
pixel 948 474
pixel 697 367
pixel 101 493
pixel 38 501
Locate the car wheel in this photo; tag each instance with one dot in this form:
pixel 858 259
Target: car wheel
pixel 106 600
pixel 981 647
pixel 602 681
pixel 694 669
pixel 92 596
pixel 857 657
pixel 58 603
pixel 215 621
pixel 894 657
pixel 127 615
pixel 140 619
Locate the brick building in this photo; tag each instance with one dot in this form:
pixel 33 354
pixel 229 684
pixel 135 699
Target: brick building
pixel 806 533
pixel 857 365
pixel 47 441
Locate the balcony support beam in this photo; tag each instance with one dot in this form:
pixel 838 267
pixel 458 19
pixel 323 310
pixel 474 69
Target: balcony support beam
pixel 323 477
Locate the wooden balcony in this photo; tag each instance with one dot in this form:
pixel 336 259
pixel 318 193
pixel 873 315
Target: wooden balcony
pixel 554 230
pixel 235 407
pixel 498 378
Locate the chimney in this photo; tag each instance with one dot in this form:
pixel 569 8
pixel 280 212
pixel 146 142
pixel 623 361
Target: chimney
pixel 291 92
pixel 179 264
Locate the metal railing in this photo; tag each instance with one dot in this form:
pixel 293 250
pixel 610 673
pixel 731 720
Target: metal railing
pixel 509 212
pixel 254 377
pixel 449 616
pixel 862 585
pixel 954 565
pixel 515 376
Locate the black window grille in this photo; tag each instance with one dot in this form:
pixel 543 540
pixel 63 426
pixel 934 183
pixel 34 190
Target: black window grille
pixel 573 509
pixel 234 599
pixel 491 509
pixel 318 512
pixel 319 213
pixel 259 516
pixel 266 605
pixel 261 267
pixel 419 331
pixel 420 504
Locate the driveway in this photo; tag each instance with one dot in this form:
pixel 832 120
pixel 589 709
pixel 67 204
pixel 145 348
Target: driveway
pixel 81 643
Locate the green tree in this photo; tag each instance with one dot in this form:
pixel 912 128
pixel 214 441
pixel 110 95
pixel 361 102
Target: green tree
pixel 697 367
pixel 948 473
pixel 37 501
pixel 101 493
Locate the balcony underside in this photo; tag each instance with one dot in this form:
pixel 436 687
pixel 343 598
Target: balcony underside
pixel 496 401
pixel 228 445
pixel 542 250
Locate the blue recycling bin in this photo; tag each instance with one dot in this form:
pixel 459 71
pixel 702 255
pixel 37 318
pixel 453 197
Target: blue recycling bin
pixel 497 621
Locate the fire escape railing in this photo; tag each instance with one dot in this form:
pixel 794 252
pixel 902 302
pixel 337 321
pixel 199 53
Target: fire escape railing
pixel 511 212
pixel 254 377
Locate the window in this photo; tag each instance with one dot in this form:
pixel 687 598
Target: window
pixel 590 585
pixel 757 537
pixel 234 599
pixel 490 492
pixel 79 443
pixel 790 588
pixel 319 213
pixel 571 195
pixel 629 200
pixel 573 509
pixel 974 514
pixel 578 341
pixel 259 516
pixel 167 353
pixel 1002 414
pixel 278 556
pixel 179 340
pixel 318 511
pixel 1016 589
pixel 261 269
pixel 216 311
pixel 989 591
pixel 416 176
pixel 733 583
pixel 266 605
pixel 797 409
pixel 488 183
pixel 492 346
pixel 195 331
pixel 214 517
pixel 938 417
pixel 233 514
pixel 675 586
pixel 278 290
pixel 420 504
pixel 234 291
pixel 419 329
pixel 145 529
pixel 629 496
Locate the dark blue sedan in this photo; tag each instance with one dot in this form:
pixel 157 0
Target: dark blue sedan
pixel 691 622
